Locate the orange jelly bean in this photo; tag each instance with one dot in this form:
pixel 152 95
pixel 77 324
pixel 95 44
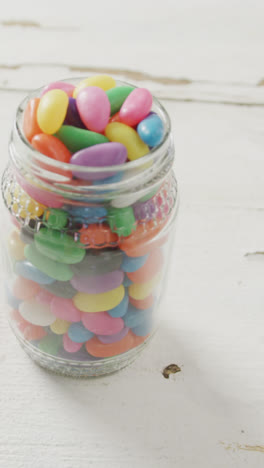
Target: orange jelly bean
pixel 24 289
pixel 149 269
pixel 140 242
pixel 115 118
pixel 98 349
pixel 30 124
pixel 98 236
pixel 142 303
pixel 51 147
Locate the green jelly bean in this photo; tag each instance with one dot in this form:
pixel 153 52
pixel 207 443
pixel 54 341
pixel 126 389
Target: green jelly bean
pixel 50 344
pixel 58 246
pixel 77 138
pixel 121 220
pixel 56 219
pixel 117 96
pixel 58 271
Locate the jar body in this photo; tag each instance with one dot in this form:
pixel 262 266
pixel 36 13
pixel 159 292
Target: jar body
pixel 85 272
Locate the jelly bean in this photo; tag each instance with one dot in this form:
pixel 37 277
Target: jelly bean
pixel 94 108
pixel 109 180
pixel 115 118
pixel 12 300
pixel 78 333
pixel 117 96
pixel 98 349
pixel 104 82
pixel 77 139
pixel 58 246
pixel 44 296
pixel 26 236
pixel 149 195
pixel 30 124
pixel 103 155
pixel 96 263
pixel 72 116
pixel 121 133
pixel 26 207
pixel 102 324
pixel 121 220
pixel 143 329
pixel 29 271
pixel 44 197
pixel 60 326
pixel 144 210
pixel 66 87
pixel 62 289
pixel 136 106
pixel 151 267
pixel 50 344
pixel 36 313
pixel 16 246
pixel 98 236
pixel 127 200
pixel 55 270
pixel 121 309
pixel 130 264
pixel 52 111
pixel 24 288
pixel 21 323
pixel 87 214
pixel 99 302
pixel 143 239
pixel 34 332
pixel 135 317
pixel 151 130
pixel 106 339
pixel 142 290
pixel 69 345
pixel 98 284
pixel 142 303
pixel 51 147
pixel 65 309
pixel 127 281
pixel 56 218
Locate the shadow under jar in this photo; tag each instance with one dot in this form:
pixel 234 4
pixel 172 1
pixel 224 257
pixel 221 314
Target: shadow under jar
pixel 86 259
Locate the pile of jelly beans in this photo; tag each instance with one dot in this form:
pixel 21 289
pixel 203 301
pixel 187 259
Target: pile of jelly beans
pixel 86 276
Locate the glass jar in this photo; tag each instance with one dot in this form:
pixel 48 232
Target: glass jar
pixel 86 258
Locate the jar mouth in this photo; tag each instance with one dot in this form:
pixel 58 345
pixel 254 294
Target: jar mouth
pixel 53 172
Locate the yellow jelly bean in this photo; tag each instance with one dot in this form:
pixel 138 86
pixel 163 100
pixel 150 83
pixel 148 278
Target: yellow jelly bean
pixel 60 326
pixel 99 302
pixel 142 290
pixel 52 110
pixel 16 246
pixel 23 205
pixel 104 82
pixel 126 135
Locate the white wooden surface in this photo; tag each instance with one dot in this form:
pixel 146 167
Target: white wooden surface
pixel 205 60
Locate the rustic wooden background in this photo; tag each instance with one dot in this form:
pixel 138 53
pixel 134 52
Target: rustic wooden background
pixel 204 59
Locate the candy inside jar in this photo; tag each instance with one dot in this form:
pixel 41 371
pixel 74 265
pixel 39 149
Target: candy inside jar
pixel 91 203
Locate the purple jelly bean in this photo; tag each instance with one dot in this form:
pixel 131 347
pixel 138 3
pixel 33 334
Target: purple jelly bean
pixel 98 284
pixel 72 116
pixel 144 210
pixel 107 339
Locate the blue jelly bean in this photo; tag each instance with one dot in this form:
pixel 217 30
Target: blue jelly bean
pixel 135 317
pixel 121 309
pixel 127 282
pixel 109 180
pixel 87 214
pixel 12 300
pixel 29 271
pixel 151 130
pixel 131 264
pixel 143 329
pixel 78 333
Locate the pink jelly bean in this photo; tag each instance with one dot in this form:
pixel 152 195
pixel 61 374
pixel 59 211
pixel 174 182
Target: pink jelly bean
pixel 65 309
pixel 99 283
pixel 69 345
pixel 101 323
pixel 106 339
pixel 41 196
pixel 67 87
pixel 44 296
pixel 94 108
pixel 136 107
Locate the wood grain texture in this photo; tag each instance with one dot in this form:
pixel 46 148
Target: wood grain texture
pixel 211 413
